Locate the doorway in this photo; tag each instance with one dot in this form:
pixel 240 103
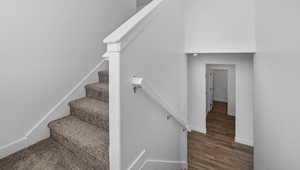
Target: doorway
pixel 220 126
pixel 220 99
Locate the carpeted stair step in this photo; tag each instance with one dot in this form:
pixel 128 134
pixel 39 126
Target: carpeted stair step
pixel 92 111
pixel 98 91
pixel 44 155
pixel 86 141
pixel 103 76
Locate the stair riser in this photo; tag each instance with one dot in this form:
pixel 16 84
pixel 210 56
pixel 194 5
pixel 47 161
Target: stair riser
pixel 96 120
pixel 103 77
pixel 99 95
pixel 71 161
pixel 102 164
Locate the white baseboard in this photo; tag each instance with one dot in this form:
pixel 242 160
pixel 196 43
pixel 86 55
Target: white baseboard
pixel 243 141
pixel 231 114
pixel 40 130
pixel 226 51
pixel 220 100
pixel 198 129
pixel 163 165
pixel 141 162
pixel 138 161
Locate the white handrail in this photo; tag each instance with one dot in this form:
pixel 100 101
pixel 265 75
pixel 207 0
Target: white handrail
pixel 139 83
pixel 130 24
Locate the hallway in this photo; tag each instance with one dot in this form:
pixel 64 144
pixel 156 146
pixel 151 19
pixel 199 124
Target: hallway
pixel 217 150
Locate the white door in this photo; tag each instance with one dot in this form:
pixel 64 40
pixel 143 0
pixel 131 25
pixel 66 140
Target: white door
pixel 209 90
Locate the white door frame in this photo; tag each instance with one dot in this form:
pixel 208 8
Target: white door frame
pixel 224 67
pixel 209 90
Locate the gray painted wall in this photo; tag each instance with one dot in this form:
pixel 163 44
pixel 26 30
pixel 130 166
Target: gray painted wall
pixel 46 47
pixel 141 3
pixel 220 85
pixel 214 25
pixel 159 59
pixel 276 68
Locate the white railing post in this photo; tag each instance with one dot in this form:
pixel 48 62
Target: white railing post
pixel 116 42
pixel 113 56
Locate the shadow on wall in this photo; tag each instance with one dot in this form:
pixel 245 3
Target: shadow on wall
pixel 141 3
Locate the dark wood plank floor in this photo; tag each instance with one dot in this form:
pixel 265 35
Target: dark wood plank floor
pixel 217 150
pixel 219 107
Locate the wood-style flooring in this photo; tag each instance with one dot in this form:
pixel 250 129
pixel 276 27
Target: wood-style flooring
pixel 217 150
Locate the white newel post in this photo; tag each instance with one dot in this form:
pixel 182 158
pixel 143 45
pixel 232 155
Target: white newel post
pixel 113 56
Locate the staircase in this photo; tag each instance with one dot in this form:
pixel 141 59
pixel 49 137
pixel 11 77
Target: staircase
pixel 78 141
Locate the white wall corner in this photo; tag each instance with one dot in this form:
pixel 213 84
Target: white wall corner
pixel 244 141
pixel 40 130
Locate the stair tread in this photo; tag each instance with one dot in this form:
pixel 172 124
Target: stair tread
pixel 83 135
pixel 46 154
pixel 98 86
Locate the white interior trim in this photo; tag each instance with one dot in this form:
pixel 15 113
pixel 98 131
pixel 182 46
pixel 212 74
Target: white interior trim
pixel 213 51
pixel 115 42
pixel 200 130
pixel 114 111
pixel 182 163
pixel 40 130
pixel 130 24
pixel 12 147
pixel 243 141
pixel 66 97
pixel 118 40
pixel 221 100
pixel 137 160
